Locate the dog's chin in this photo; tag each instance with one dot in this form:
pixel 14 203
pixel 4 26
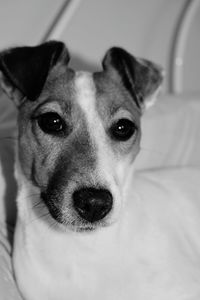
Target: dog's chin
pixel 79 225
pixel 69 220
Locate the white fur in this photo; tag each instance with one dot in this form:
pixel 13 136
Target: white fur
pixel 42 253
pixel 151 253
pixel 109 170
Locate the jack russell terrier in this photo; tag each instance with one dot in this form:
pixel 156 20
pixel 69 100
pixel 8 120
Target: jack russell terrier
pixel 78 135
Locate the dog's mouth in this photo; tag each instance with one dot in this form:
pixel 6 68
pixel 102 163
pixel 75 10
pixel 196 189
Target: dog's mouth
pixel 89 208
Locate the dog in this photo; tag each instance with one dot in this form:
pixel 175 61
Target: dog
pixel 78 136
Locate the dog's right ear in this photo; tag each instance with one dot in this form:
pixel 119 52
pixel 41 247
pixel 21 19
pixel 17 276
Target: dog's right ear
pixel 24 70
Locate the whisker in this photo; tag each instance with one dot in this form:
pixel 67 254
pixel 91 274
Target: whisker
pixel 30 196
pixel 35 205
pixel 38 204
pixel 38 218
pixel 53 224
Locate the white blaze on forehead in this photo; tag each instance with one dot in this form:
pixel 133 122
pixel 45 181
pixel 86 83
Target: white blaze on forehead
pixel 106 163
pixel 86 98
pixel 85 94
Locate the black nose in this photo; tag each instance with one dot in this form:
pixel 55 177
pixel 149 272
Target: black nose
pixel 92 204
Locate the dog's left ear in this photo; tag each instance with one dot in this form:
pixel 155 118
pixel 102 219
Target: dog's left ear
pixel 24 70
pixel 142 78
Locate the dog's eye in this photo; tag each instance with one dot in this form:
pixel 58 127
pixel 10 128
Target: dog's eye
pixel 51 123
pixel 122 130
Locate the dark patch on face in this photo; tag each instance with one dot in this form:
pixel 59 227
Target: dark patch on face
pixel 53 163
pixel 113 94
pixel 76 161
pixel 32 141
pixel 114 102
pixel 122 64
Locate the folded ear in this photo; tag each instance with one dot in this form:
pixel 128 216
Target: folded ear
pixel 142 78
pixel 24 70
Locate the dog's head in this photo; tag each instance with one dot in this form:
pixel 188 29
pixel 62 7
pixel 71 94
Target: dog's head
pixel 78 132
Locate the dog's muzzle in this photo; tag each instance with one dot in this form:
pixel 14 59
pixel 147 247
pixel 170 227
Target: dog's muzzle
pixel 92 204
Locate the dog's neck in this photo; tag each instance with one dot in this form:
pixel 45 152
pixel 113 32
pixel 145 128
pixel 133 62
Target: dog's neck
pixel 75 258
pixel 141 246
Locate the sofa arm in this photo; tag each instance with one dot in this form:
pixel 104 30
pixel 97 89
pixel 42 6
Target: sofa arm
pixel 8 288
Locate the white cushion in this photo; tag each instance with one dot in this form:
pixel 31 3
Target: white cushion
pixel 8 289
pixel 170 133
pixel 7 140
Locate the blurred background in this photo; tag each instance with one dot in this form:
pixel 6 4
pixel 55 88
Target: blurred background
pixel 146 28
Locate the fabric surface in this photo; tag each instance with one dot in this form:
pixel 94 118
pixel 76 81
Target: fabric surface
pixel 7 140
pixel 164 209
pixel 8 289
pixel 171 135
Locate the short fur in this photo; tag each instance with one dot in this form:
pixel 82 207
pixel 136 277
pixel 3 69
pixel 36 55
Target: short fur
pixel 57 252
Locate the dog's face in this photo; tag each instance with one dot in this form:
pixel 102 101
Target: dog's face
pixel 78 132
